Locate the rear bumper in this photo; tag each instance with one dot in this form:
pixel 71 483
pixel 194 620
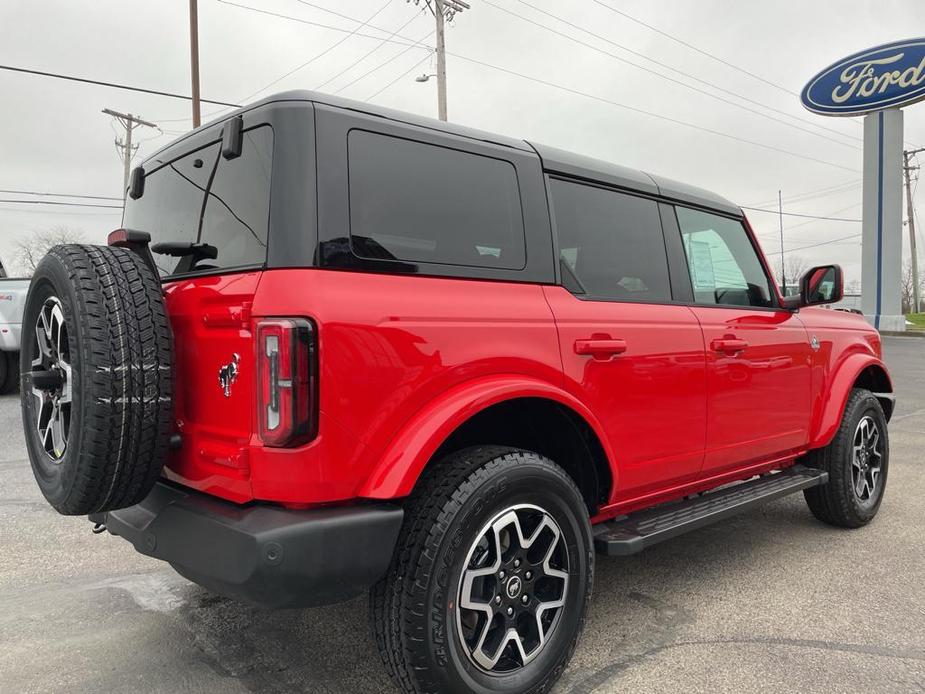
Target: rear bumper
pixel 265 555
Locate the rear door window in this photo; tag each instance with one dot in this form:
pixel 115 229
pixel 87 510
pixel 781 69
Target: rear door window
pixel 611 245
pixel 416 202
pixel 204 198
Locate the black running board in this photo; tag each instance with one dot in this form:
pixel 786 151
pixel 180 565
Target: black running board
pixel 642 529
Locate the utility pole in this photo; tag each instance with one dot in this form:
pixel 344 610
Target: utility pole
pixel 443 10
pixel 780 215
pixel 910 214
pixel 194 58
pixel 129 122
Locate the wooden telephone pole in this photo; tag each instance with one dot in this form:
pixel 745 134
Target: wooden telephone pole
pixel 194 58
pixel 129 122
pixel 443 10
pixel 910 215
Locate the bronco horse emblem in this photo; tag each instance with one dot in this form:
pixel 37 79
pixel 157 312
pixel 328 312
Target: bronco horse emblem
pixel 228 374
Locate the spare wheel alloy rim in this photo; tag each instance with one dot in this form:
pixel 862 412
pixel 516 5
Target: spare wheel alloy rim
pixel 51 379
pixel 513 589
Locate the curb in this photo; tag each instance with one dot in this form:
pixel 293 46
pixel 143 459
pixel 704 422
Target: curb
pixel 903 333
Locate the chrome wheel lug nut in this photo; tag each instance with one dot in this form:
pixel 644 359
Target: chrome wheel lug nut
pixel 501 575
pixel 510 612
pixel 497 599
pixel 525 599
pixel 517 563
pixel 528 575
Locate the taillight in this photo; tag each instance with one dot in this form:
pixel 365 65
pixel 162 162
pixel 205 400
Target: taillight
pixel 287 361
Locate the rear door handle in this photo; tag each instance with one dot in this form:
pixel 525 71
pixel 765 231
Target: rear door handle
pixel 600 349
pixel 729 345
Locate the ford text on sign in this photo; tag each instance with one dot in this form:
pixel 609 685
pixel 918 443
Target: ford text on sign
pixel 887 76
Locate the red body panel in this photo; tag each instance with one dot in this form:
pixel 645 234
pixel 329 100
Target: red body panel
pixel 650 398
pixel 758 385
pixel 405 360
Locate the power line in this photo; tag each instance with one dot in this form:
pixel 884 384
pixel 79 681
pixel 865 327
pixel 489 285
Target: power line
pixel 402 42
pixel 112 85
pixel 383 64
pixel 796 214
pixel 698 50
pixel 53 202
pixel 762 114
pixel 323 53
pixel 369 53
pixel 59 195
pixel 651 114
pixel 817 193
pixel 401 76
pixel 576 92
pixel 816 245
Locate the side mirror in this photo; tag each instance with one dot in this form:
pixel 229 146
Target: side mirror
pixel 823 284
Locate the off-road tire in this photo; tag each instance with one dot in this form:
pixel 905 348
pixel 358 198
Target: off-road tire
pixel 836 502
pixel 120 349
pixel 11 370
pixel 412 608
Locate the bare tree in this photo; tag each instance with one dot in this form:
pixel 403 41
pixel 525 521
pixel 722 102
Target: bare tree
pixel 794 267
pixel 908 296
pixel 30 250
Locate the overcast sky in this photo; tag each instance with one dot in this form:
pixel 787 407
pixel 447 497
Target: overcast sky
pixel 53 137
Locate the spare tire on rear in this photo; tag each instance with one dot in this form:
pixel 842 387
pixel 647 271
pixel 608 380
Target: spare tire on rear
pixel 97 378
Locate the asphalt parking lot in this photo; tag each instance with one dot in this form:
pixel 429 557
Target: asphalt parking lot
pixel 769 602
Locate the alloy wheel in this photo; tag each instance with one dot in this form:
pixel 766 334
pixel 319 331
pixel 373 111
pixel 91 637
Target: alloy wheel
pixel 51 379
pixel 867 459
pixel 513 589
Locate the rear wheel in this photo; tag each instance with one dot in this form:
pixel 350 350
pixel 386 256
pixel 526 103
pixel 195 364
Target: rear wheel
pixel 97 361
pixel 490 584
pixel 857 461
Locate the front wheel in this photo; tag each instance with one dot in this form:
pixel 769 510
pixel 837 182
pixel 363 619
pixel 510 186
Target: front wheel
pixel 857 461
pixel 491 579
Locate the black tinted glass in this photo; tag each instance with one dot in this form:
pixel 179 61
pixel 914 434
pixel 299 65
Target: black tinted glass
pixel 416 202
pixel 610 244
pixel 171 205
pixel 238 207
pixel 724 265
pixel 234 218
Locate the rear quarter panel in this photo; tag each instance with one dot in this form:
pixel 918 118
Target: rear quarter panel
pixel 390 346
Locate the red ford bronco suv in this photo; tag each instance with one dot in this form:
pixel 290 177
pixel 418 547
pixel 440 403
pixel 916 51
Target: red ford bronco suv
pixel 338 348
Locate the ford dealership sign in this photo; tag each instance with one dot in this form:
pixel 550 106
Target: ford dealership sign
pixel 883 77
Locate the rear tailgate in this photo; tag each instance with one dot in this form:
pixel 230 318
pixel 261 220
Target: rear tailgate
pixel 208 217
pixel 215 376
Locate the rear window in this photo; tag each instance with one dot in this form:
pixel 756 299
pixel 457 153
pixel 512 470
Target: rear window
pixel 204 198
pixel 423 203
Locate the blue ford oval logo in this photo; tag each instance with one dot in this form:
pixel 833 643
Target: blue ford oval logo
pixel 878 78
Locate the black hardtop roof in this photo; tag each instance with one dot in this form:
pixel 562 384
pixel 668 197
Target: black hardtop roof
pixel 554 160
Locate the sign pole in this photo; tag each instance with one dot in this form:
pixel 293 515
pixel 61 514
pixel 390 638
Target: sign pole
pixel 882 223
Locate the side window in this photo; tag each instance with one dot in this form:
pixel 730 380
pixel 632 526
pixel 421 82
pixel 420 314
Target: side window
pixel 238 206
pixel 171 206
pixel 724 265
pixel 610 244
pixel 417 202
